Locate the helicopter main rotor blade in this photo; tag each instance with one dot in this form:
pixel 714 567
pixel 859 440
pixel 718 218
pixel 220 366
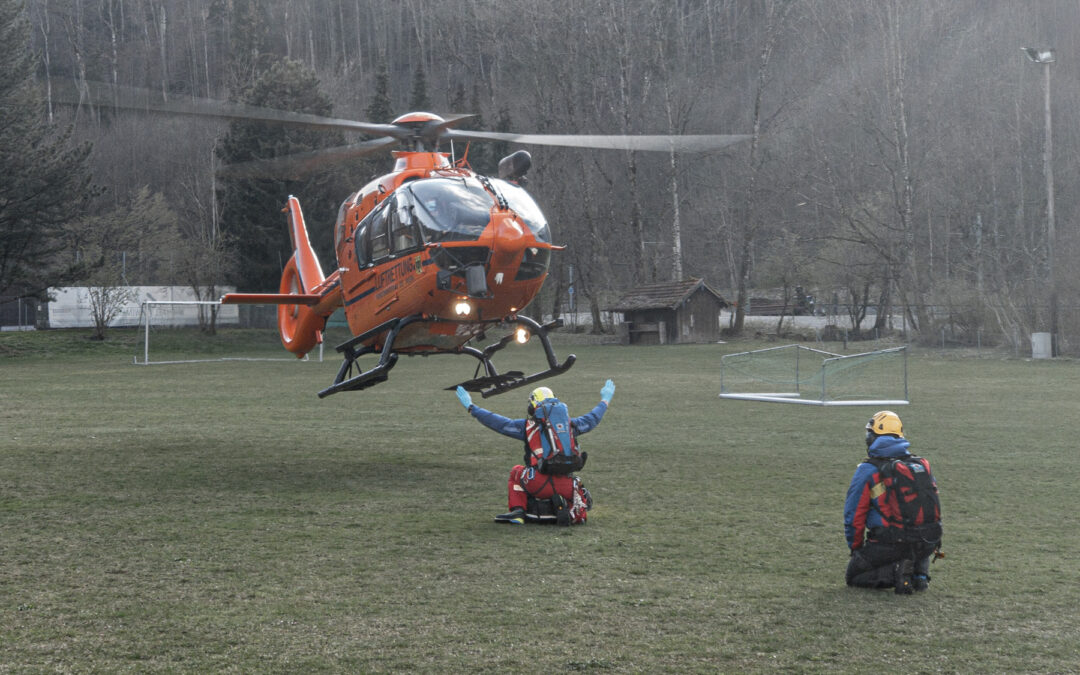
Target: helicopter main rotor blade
pixel 303 163
pixel 662 143
pixel 132 98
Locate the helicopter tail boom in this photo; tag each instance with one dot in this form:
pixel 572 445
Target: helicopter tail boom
pixel 270 299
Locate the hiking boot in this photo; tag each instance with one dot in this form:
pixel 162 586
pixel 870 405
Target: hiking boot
pixel 516 516
pixel 902 572
pixel 920 582
pixel 562 510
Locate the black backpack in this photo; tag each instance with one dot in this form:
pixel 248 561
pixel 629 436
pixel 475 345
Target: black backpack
pixel 912 489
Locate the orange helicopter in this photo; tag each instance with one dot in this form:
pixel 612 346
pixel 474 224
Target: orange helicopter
pixel 429 256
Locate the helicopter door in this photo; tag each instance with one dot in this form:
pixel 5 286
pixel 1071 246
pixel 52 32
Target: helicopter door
pixel 379 235
pixel 404 233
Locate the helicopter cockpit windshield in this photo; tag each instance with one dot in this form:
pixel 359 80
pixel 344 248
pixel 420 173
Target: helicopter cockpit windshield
pixel 451 209
pixel 523 205
pixel 458 209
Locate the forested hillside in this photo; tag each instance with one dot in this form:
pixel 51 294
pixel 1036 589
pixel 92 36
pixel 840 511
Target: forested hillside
pixel 896 164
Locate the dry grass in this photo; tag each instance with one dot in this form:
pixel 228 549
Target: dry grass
pixel 220 517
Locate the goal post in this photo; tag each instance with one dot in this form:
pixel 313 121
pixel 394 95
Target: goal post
pixel 158 316
pixel 802 375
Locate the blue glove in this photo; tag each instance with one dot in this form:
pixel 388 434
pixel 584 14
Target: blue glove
pixel 464 397
pixel 607 392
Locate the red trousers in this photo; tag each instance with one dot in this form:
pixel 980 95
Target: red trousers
pixel 525 482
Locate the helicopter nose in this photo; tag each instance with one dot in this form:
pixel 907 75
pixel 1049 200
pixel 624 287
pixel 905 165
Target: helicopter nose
pixel 508 248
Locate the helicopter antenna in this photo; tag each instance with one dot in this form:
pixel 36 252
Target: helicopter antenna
pixel 464 161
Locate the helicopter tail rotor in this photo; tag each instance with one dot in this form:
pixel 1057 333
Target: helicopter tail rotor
pixel 306 298
pixel 300 326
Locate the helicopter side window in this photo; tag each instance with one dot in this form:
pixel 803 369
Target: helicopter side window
pixel 363 249
pixel 343 213
pixel 403 232
pixel 339 225
pixel 378 235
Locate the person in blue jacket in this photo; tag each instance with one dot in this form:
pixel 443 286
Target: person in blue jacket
pixel 526 480
pixel 890 542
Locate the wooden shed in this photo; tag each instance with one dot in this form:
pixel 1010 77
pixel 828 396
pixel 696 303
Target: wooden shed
pixel 670 312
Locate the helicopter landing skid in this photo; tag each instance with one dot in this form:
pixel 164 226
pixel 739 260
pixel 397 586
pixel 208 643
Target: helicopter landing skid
pixel 495 383
pixel 378 373
pixel 490 384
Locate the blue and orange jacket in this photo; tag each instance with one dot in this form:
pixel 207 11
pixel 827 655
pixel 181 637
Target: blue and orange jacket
pixel 527 429
pixel 867 498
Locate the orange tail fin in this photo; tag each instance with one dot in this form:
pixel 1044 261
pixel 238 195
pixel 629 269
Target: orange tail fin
pixel 307 264
pixel 299 325
pixel 306 298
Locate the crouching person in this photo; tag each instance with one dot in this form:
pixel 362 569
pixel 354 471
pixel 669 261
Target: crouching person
pixel 544 486
pixel 892 515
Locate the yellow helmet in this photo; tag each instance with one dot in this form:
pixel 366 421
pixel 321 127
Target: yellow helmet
pixel 539 394
pixel 885 422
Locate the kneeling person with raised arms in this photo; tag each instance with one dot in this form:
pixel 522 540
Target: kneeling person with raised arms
pixel 544 486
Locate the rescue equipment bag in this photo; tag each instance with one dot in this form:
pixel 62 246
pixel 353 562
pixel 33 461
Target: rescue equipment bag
pixel 911 510
pixel 559 509
pixel 561 454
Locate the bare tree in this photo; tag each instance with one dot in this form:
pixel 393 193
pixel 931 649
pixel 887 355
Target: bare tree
pixel 124 246
pixel 750 218
pixel 206 254
pixel 921 109
pixel 108 296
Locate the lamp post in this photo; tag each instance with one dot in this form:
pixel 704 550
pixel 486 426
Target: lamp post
pixel 1044 56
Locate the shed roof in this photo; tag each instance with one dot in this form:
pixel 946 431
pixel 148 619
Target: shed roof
pixel 665 295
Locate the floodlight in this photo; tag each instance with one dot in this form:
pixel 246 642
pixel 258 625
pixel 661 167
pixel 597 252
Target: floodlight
pixel 1040 54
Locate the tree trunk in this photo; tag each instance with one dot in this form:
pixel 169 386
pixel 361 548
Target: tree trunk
pixel 749 222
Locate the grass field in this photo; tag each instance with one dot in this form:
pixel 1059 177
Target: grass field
pixel 220 517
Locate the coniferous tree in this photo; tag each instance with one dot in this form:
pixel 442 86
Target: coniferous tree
pixel 380 109
pixel 458 103
pixel 249 54
pixel 45 181
pixel 419 100
pixel 479 154
pixel 251 207
pixel 504 124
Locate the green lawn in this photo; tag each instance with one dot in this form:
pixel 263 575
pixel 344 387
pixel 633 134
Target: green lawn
pixel 221 517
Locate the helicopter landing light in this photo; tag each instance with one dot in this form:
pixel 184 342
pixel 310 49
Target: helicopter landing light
pixel 462 308
pixel 522 335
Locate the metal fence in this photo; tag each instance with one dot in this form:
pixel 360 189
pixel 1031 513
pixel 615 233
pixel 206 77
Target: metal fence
pixel 943 327
pixel 18 314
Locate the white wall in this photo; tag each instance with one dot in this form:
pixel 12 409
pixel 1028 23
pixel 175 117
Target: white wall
pixel 71 307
